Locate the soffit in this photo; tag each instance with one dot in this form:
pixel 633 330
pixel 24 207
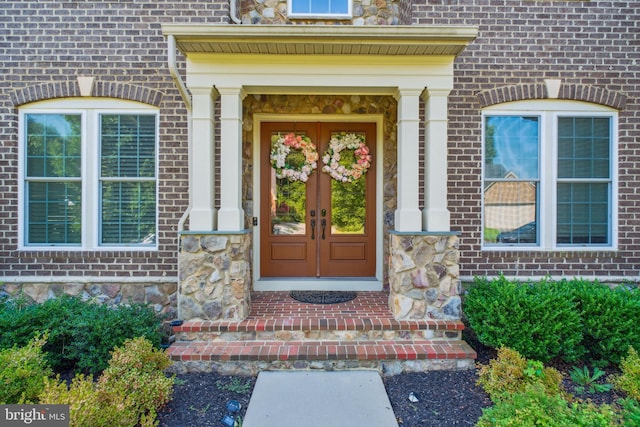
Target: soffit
pixel 321 39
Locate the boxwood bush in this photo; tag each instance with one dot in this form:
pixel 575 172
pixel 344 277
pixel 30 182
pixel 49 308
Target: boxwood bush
pixel 568 319
pixel 539 321
pixel 609 319
pixel 81 334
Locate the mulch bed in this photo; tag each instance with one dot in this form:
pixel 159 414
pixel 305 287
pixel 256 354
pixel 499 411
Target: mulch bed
pixel 445 398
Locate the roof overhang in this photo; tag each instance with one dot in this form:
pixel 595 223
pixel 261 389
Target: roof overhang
pixel 392 40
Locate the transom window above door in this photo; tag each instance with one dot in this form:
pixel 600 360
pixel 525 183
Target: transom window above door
pixel 340 9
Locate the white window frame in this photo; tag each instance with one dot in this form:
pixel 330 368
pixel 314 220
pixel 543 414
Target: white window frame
pixel 90 110
pixel 327 15
pixel 548 112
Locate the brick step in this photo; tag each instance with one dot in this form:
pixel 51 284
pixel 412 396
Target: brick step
pixel 340 329
pixel 268 351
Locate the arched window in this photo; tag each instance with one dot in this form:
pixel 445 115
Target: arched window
pixel 549 175
pixel 89 174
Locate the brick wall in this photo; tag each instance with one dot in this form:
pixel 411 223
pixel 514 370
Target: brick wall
pixel 586 44
pixel 44 46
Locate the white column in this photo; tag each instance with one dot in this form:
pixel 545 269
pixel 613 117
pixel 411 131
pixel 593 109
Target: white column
pixel 408 216
pixel 436 216
pixel 231 214
pixel 201 175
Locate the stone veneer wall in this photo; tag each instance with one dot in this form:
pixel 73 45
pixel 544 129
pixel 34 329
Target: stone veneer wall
pixel 215 276
pixel 424 276
pixel 365 12
pixel 162 296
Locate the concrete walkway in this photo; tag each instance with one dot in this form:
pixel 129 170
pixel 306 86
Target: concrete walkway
pixel 319 399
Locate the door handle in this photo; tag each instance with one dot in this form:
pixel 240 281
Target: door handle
pixel 324 224
pixel 313 229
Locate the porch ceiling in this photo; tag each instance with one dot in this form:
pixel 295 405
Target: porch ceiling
pixel 321 40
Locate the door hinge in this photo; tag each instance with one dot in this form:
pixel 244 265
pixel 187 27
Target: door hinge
pixel 255 220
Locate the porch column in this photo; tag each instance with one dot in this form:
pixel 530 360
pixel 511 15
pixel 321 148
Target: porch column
pixel 201 177
pixel 231 214
pixel 436 216
pixel 407 215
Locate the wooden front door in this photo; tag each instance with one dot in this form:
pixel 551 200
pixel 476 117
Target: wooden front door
pixel 321 227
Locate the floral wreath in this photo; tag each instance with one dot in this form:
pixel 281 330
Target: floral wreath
pixel 331 157
pixel 281 147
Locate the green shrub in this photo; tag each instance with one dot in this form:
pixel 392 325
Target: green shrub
pixel 629 379
pixel 129 392
pixel 540 320
pixel 86 407
pixel 609 318
pixel 511 373
pixel 81 334
pixel 534 407
pixel 136 370
pixel 630 412
pixel 23 371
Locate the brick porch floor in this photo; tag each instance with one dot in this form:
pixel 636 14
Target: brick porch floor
pixel 282 333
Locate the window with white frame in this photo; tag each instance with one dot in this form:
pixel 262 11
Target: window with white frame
pixel 549 176
pixel 89 174
pixel 319 9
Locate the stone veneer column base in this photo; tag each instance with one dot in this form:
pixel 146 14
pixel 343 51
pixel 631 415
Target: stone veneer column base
pixel 424 275
pixel 214 275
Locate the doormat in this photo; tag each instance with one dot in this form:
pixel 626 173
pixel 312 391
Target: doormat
pixel 323 297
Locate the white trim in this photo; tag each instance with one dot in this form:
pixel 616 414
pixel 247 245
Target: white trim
pixel 272 284
pixel 90 110
pixel 548 111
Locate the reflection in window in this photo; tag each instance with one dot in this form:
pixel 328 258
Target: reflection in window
pixel 348 206
pixel 561 200
pixel 53 179
pixel 68 201
pixel 512 144
pixel 288 205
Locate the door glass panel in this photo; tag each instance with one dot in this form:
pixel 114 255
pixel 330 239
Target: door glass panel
pixel 288 206
pixel 348 206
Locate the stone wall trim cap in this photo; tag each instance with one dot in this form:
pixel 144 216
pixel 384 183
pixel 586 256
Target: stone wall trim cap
pixel 425 233
pixel 210 233
pixel 321 39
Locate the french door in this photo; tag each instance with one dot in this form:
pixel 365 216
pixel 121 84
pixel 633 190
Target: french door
pixel 315 224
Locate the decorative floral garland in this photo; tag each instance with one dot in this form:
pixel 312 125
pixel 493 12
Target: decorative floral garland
pixel 331 157
pixel 281 146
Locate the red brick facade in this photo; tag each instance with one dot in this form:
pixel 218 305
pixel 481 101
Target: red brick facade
pixel 591 46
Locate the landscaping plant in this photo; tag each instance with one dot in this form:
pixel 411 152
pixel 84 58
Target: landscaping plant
pixel 535 407
pixel 539 320
pixel 23 371
pixel 628 380
pixel 128 393
pixel 630 409
pixel 512 373
pixel 81 334
pixel 609 319
pixel 587 382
